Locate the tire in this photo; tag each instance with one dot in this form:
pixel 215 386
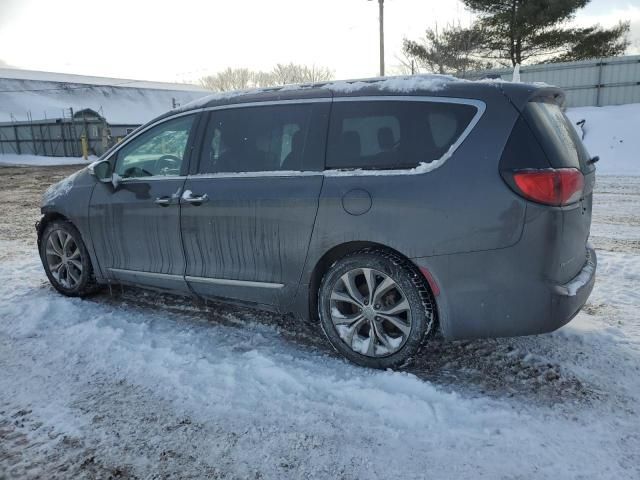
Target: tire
pixel 399 309
pixel 61 243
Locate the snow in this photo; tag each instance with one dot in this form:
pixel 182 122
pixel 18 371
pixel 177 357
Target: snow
pixel 581 279
pixel 413 83
pixel 60 189
pixel 160 388
pixel 400 84
pixel 36 75
pixel 122 102
pixel 39 160
pixel 612 134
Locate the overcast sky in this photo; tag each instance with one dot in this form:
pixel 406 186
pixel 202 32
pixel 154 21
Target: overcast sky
pixel 184 40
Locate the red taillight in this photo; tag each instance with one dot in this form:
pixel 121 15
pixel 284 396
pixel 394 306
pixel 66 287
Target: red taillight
pixel 550 186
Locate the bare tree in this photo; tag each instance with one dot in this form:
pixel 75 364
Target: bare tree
pixel 294 73
pixel 282 74
pixel 229 79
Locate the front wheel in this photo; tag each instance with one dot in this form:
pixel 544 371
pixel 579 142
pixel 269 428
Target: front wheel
pixel 376 309
pixel 66 260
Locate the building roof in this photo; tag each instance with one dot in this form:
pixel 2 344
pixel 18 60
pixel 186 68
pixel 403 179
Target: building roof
pixel 39 95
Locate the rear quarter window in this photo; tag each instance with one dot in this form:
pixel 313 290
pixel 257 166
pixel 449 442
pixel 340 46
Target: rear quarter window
pixel 556 135
pixel 393 134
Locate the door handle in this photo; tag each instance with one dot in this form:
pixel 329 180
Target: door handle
pixel 194 200
pixel 162 201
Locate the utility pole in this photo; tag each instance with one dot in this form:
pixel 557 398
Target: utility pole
pixel 381 21
pixel 381 9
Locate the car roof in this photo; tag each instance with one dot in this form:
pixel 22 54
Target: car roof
pixel 413 85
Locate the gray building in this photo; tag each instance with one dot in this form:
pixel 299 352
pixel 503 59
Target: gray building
pixel 44 113
pixel 597 82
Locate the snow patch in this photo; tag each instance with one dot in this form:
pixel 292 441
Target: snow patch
pixel 42 161
pixel 432 83
pixel 60 189
pixel 581 279
pixel 612 134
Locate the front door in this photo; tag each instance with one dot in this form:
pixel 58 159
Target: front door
pixel 249 211
pixel 135 225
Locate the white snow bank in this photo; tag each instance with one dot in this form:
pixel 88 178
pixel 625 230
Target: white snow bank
pixel 612 134
pixel 42 161
pixel 121 102
pixel 68 361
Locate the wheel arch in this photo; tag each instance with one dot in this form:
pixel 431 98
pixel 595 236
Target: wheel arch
pixel 46 219
pixel 340 251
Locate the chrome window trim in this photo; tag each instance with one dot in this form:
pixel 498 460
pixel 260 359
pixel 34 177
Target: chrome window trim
pixel 188 278
pixel 269 103
pixel 479 104
pixel 152 178
pixel 331 172
pixel 116 148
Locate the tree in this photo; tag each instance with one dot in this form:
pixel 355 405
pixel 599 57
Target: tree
pixel 596 42
pixel 450 50
pixel 281 74
pixel 517 31
pixel 294 73
pixel 229 79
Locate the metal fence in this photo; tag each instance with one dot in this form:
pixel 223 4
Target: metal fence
pixel 598 82
pixel 55 137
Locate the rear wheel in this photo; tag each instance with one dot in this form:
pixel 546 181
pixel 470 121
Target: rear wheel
pixel 66 260
pixel 376 309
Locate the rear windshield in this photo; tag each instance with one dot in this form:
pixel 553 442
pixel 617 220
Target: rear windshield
pixel 558 138
pixel 393 134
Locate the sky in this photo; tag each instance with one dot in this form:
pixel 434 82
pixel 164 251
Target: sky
pixel 183 41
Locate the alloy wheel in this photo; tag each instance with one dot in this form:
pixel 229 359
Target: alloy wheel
pixel 64 259
pixel 370 312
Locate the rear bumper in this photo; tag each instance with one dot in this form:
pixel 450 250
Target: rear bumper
pixel 568 299
pixel 493 294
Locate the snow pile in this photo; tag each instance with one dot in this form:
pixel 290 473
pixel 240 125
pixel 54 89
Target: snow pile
pixel 612 133
pixel 41 161
pixel 121 102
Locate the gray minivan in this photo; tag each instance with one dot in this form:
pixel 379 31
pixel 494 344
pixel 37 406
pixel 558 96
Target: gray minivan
pixel 386 210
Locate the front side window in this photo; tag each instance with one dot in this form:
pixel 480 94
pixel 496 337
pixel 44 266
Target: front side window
pixel 259 139
pixel 393 134
pixel 159 151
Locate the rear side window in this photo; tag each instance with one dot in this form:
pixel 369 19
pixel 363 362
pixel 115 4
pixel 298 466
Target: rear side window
pixel 556 135
pixel 393 134
pixel 264 138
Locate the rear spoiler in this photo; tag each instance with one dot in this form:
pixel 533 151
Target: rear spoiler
pixel 519 94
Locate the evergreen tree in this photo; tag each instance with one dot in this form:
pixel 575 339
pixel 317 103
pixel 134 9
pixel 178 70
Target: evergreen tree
pixel 449 50
pixel 517 31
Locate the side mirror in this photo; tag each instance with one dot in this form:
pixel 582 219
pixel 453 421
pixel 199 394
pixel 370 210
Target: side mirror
pixel 102 170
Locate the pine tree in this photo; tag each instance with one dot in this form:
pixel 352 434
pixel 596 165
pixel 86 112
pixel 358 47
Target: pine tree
pixel 448 50
pixel 517 31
